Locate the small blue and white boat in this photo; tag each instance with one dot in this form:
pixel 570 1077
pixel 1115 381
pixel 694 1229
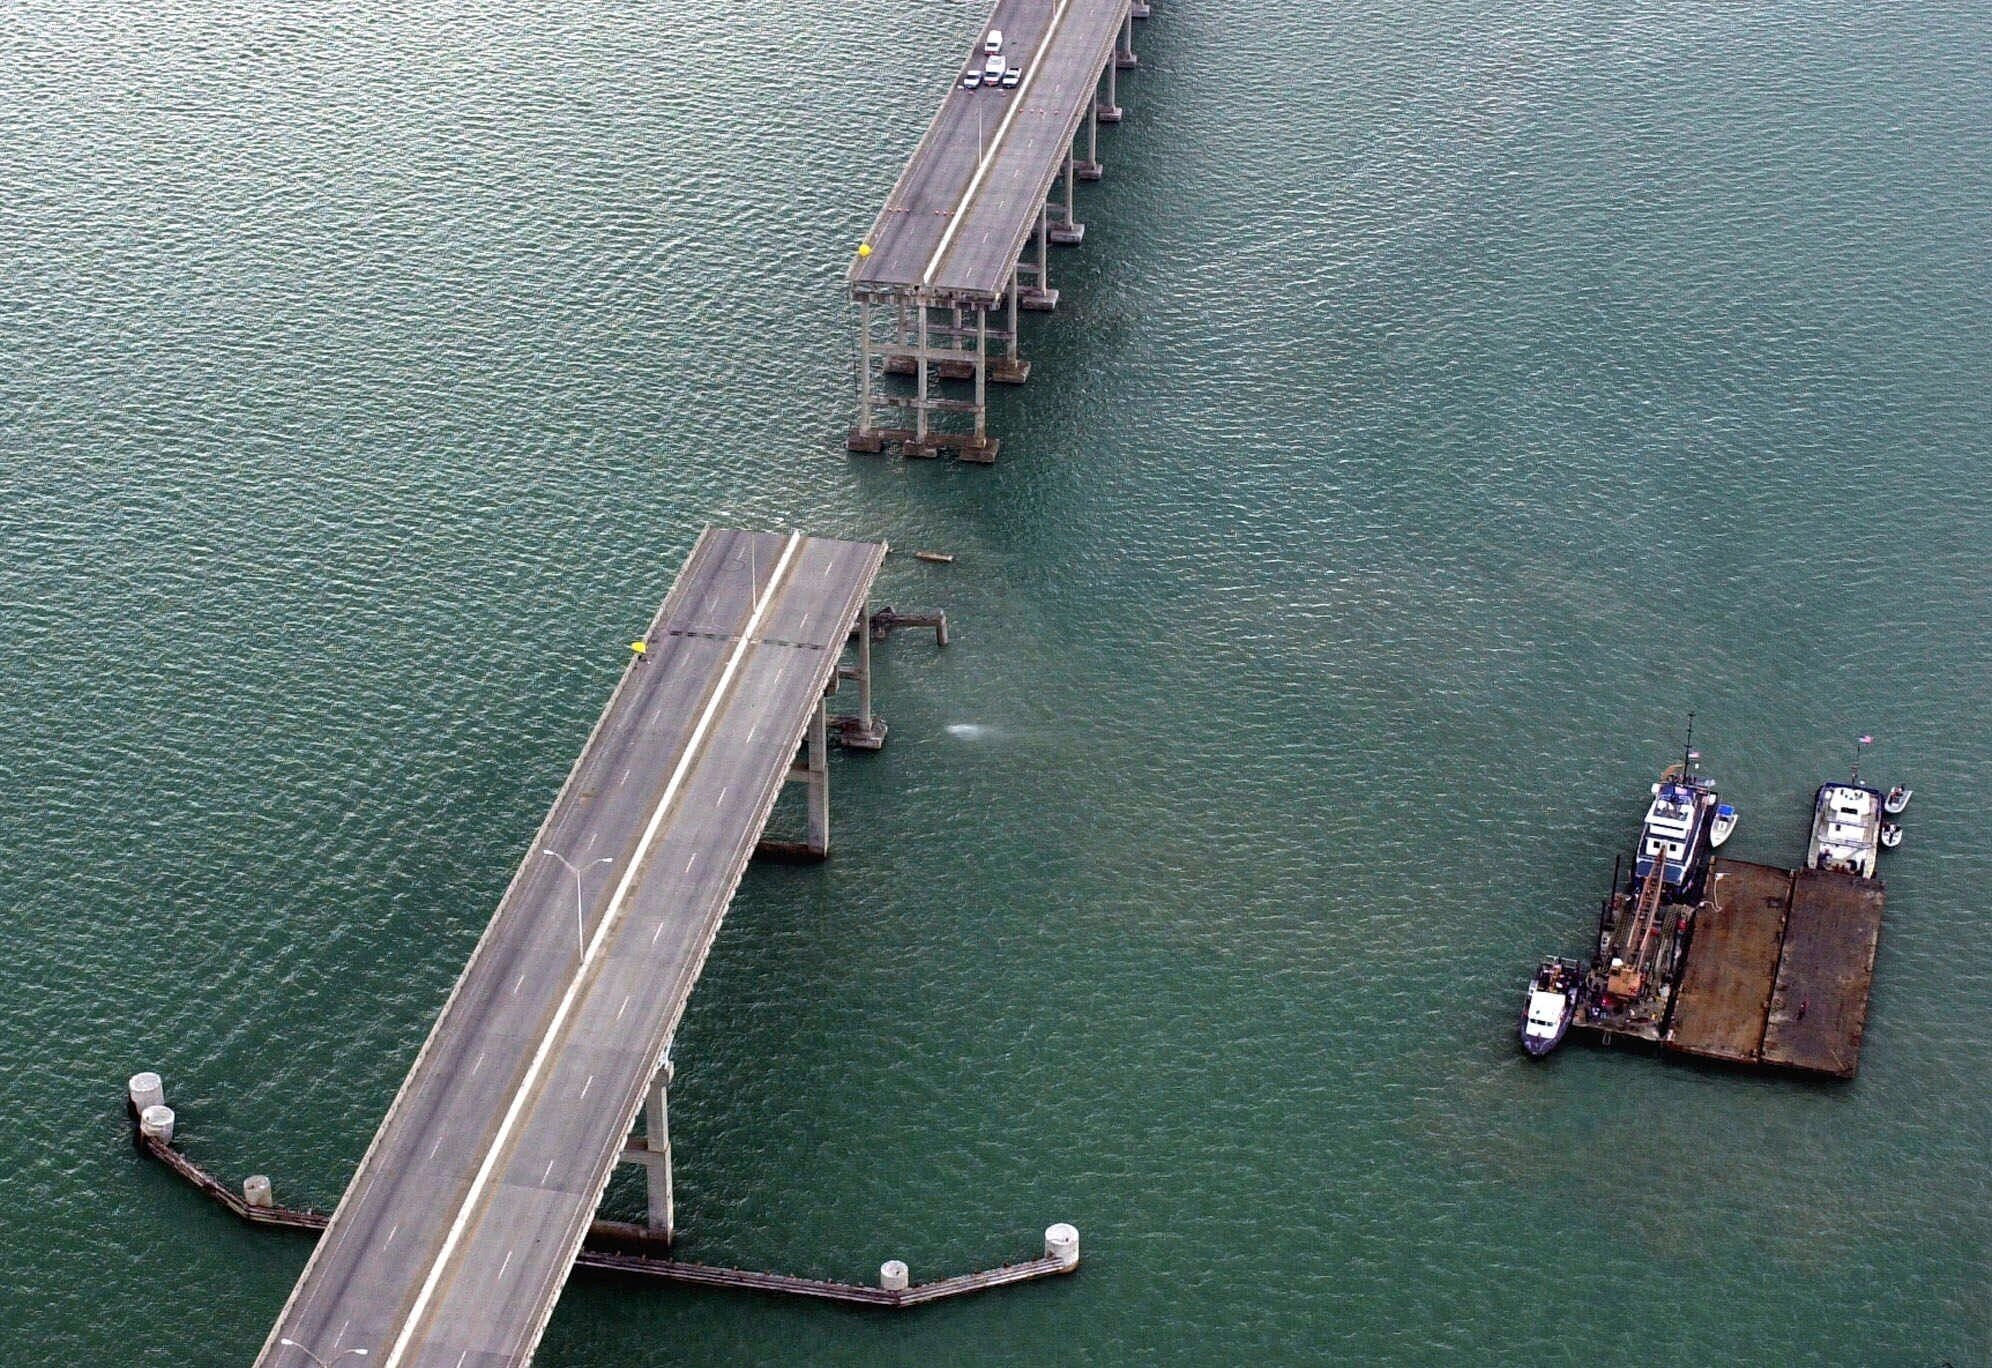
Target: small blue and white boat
pixel 1723 827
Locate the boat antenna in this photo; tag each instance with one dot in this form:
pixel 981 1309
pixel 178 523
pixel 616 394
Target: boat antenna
pixel 1688 747
pixel 1860 742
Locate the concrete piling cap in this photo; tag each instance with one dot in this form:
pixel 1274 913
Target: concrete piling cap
pixel 147 1090
pixel 157 1122
pixel 893 1275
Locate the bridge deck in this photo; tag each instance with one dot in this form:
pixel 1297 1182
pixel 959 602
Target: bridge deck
pixel 970 196
pixel 457 1232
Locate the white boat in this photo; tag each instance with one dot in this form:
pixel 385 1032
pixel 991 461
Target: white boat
pixel 1846 829
pixel 1891 835
pixel 1723 827
pixel 1675 834
pixel 1897 799
pixel 1551 1003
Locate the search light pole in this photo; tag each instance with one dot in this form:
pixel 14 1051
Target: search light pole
pixel 291 1343
pixel 580 926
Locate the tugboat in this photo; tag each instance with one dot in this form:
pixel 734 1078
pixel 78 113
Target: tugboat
pixel 1846 824
pixel 1678 832
pixel 1551 1003
pixel 1897 799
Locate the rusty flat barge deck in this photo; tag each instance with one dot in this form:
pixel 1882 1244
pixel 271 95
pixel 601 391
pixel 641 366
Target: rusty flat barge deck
pixel 1779 969
pixel 1819 1012
pixel 1725 991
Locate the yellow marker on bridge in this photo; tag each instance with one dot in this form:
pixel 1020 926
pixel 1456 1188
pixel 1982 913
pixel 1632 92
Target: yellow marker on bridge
pixel 638 647
pixel 864 249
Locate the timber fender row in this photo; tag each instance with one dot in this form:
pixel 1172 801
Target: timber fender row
pixel 614 1248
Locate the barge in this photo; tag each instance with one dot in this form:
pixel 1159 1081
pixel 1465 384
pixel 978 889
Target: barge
pixel 1725 959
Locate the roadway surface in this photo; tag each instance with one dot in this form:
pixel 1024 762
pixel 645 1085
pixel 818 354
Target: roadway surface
pixel 455 1237
pixel 969 197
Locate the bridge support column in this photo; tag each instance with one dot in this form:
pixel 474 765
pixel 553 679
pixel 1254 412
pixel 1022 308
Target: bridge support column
pixel 1108 111
pixel 1124 53
pixel 817 776
pixel 811 768
pixel 864 671
pixel 1068 232
pixel 861 731
pixel 865 436
pixel 920 381
pixel 1008 368
pixel 981 412
pixel 1090 169
pixel 864 368
pixel 653 1151
pixel 1039 296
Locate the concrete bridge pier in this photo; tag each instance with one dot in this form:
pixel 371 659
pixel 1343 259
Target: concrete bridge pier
pixel 1009 368
pixel 815 773
pixel 1090 169
pixel 934 337
pixel 920 382
pixel 1124 53
pixel 653 1151
pixel 862 730
pixel 1108 110
pixel 1067 231
pixel 865 427
pixel 1038 296
pixel 811 769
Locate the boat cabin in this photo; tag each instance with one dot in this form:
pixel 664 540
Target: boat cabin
pixel 1846 829
pixel 1544 1018
pixel 1674 831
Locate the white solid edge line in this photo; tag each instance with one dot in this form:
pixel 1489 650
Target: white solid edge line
pixel 420 1306
pixel 995 143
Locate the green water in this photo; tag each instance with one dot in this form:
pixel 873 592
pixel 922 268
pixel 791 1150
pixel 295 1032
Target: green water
pixel 1446 399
